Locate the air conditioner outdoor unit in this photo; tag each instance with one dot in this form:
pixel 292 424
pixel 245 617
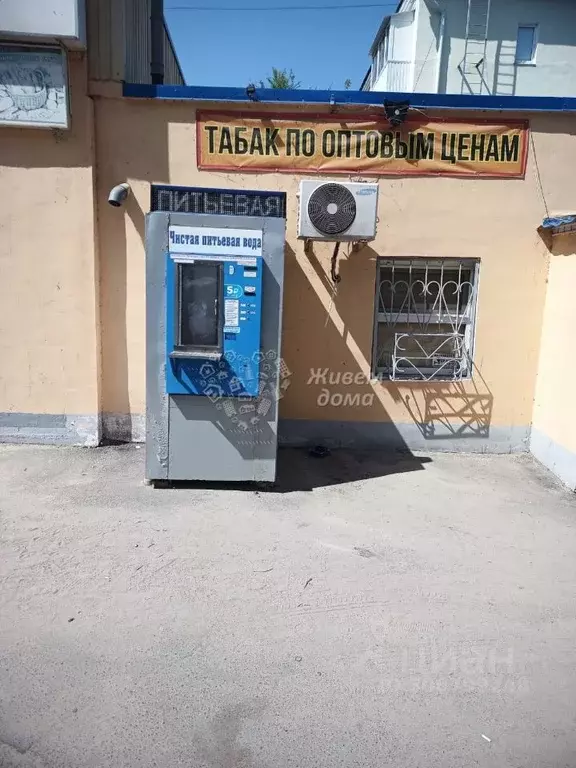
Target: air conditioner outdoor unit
pixel 334 211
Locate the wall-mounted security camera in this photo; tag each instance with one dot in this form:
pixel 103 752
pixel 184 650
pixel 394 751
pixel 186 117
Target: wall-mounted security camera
pixel 251 92
pixel 118 195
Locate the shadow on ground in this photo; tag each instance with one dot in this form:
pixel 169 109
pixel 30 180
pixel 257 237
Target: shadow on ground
pixel 299 469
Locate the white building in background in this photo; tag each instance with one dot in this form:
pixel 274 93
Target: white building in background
pixel 123 32
pixel 498 47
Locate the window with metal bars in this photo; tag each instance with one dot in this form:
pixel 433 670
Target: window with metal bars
pixel 424 319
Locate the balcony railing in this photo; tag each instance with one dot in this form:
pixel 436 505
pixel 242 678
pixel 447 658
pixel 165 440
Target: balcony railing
pixel 396 76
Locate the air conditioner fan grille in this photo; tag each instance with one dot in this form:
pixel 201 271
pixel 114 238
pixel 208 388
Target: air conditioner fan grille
pixel 332 209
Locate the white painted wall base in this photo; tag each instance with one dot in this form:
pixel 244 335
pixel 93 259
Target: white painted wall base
pixel 554 457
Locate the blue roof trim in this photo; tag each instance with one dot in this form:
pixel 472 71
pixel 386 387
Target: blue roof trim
pixel 360 98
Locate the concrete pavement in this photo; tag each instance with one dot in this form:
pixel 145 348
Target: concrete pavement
pixel 368 612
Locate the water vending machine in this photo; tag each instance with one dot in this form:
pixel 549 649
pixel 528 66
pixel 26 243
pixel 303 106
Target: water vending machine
pixel 214 369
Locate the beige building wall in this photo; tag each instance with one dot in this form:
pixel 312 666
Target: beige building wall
pixel 72 304
pixel 49 346
pixel 492 220
pixel 553 439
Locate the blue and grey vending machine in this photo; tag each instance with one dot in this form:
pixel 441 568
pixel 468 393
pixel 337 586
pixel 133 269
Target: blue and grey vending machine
pixel 214 369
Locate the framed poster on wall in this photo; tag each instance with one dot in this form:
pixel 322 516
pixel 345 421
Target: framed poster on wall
pixel 33 87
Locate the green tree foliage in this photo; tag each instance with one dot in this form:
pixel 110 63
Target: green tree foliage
pixel 281 78
pixel 286 79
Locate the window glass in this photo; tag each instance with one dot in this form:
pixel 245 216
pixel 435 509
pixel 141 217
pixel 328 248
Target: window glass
pixel 425 317
pixel 199 305
pixel 525 44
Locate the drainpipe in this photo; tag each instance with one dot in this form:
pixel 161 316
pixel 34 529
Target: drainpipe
pixel 441 35
pixel 157 42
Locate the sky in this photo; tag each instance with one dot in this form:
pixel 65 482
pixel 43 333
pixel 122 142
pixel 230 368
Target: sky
pixel 236 47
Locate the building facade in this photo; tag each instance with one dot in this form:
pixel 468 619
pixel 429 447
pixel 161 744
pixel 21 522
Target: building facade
pixel 117 35
pixel 456 224
pixel 498 47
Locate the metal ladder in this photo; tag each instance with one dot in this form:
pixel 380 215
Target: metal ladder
pixel 473 64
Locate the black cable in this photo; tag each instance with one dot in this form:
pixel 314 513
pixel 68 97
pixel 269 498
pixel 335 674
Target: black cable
pixel 538 176
pixel 333 274
pixel 423 65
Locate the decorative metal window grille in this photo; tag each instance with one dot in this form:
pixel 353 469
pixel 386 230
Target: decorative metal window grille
pixel 425 317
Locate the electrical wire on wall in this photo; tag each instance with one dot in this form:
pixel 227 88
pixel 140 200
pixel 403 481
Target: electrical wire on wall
pixel 538 176
pixel 423 65
pixel 336 277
